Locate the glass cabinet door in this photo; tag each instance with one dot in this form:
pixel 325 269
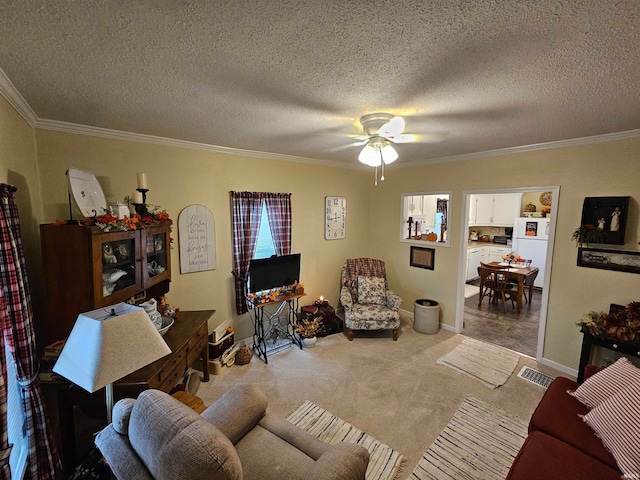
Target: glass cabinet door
pixel 157 255
pixel 118 269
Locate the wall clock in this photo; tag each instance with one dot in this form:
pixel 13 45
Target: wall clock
pixel 335 217
pixel 545 199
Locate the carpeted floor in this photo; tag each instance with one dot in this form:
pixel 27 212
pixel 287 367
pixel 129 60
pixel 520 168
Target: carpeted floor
pixel 394 391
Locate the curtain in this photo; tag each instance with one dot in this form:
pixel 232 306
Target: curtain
pixel 16 321
pixel 246 212
pixel 279 215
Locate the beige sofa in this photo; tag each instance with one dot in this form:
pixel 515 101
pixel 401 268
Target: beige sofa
pixel 157 437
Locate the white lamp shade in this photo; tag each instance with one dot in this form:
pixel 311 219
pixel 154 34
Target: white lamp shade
pixel 370 155
pixel 108 344
pixel 389 154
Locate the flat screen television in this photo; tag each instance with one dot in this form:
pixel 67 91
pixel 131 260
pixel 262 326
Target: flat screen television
pixel 273 272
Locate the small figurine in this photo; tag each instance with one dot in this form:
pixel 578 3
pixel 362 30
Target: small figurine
pixel 108 255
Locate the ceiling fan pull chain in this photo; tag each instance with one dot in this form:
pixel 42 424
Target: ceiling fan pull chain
pixel 375 178
pixel 382 168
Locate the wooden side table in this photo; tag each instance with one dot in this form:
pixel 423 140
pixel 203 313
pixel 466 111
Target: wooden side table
pixel 326 316
pixel 187 339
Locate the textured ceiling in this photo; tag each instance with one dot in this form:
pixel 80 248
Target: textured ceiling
pixel 293 78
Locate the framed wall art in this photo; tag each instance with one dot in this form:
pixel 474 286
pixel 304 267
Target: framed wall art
pixel 422 257
pixel 608 214
pixel 618 260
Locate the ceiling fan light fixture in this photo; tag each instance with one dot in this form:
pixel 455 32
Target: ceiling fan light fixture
pixel 369 155
pixel 389 154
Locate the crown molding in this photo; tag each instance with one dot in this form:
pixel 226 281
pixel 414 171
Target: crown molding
pixel 607 137
pixel 67 127
pixel 9 91
pixel 15 98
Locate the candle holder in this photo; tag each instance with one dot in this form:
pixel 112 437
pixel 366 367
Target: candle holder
pixel 141 208
pixel 321 303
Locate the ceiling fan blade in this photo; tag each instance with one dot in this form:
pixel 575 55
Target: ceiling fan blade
pixel 393 127
pixel 431 137
pixel 349 145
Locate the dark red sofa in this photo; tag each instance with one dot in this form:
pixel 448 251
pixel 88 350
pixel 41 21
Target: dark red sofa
pixel 560 445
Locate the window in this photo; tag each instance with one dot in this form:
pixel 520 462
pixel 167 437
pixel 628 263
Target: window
pixel 424 218
pixel 264 247
pixel 15 420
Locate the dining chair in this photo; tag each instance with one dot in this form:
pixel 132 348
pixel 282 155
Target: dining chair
pixel 495 284
pixel 528 282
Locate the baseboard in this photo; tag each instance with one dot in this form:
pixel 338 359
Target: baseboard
pixel 573 372
pixel 408 316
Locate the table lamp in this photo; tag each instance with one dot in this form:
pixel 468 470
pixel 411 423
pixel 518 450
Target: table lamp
pixel 108 344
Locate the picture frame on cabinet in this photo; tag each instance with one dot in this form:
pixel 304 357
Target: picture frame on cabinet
pixel 422 257
pixel 606 259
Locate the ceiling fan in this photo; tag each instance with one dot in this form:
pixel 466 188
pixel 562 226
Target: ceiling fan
pixel 381 132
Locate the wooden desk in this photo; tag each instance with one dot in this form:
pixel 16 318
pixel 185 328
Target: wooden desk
pixel 521 275
pixel 188 341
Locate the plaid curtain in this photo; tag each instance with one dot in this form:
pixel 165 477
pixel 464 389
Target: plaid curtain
pixel 16 321
pixel 279 215
pixel 246 212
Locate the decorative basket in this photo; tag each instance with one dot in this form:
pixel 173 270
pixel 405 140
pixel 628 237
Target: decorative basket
pixel 244 355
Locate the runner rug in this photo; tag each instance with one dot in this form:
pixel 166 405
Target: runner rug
pixel 384 462
pixel 489 364
pixel 479 443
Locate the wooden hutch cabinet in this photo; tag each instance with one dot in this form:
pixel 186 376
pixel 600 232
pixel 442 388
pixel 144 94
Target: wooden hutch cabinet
pixel 86 268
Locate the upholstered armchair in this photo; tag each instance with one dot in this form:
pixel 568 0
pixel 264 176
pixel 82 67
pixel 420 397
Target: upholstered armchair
pixel 367 301
pixel 157 437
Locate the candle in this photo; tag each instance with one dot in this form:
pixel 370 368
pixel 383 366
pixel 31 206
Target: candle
pixel 137 197
pixel 321 299
pixel 142 181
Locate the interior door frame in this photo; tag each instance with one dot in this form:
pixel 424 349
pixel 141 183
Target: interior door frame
pixel 464 234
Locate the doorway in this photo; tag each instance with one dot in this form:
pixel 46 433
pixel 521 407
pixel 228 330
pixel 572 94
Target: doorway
pixel 522 332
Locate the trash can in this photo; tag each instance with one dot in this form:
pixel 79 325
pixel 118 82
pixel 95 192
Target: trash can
pixel 426 316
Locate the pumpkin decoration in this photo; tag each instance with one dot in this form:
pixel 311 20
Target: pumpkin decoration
pixel 432 237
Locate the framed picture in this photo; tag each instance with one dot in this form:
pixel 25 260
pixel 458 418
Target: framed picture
pixel 608 214
pixel 618 260
pixel 422 257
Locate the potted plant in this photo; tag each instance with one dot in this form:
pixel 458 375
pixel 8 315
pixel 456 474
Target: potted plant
pixel 587 234
pixel 308 329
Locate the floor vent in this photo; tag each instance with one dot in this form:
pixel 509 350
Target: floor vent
pixel 535 376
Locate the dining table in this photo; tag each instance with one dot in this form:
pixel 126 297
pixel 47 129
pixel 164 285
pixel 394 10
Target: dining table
pixel 523 274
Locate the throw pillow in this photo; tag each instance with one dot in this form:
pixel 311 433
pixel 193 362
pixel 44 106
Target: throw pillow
pixel 371 290
pixel 617 423
pixel 607 382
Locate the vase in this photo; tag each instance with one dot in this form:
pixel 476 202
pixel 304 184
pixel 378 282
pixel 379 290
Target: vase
pixel 310 342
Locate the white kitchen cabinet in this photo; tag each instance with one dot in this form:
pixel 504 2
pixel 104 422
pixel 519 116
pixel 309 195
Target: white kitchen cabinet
pixel 473 260
pixel 499 209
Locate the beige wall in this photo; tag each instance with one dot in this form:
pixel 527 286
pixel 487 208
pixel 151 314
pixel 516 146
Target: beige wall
pixel 178 177
pixel 604 169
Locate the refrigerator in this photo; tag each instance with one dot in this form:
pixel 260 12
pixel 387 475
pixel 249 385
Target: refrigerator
pixel 530 239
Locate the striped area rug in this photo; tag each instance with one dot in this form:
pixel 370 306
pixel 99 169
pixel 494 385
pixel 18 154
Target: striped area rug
pixel 490 365
pixel 384 462
pixel 479 443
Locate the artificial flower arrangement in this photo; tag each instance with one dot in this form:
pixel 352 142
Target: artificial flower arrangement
pixel 512 257
pixel 308 328
pixel 110 223
pixel 623 324
pixel 272 294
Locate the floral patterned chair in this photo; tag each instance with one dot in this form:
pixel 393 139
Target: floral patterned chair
pixel 367 301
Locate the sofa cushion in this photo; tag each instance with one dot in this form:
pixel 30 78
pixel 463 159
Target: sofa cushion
pixel 371 290
pixel 342 461
pixel 558 414
pixel 120 414
pixel 607 382
pixel 545 457
pixel 173 441
pixel 617 422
